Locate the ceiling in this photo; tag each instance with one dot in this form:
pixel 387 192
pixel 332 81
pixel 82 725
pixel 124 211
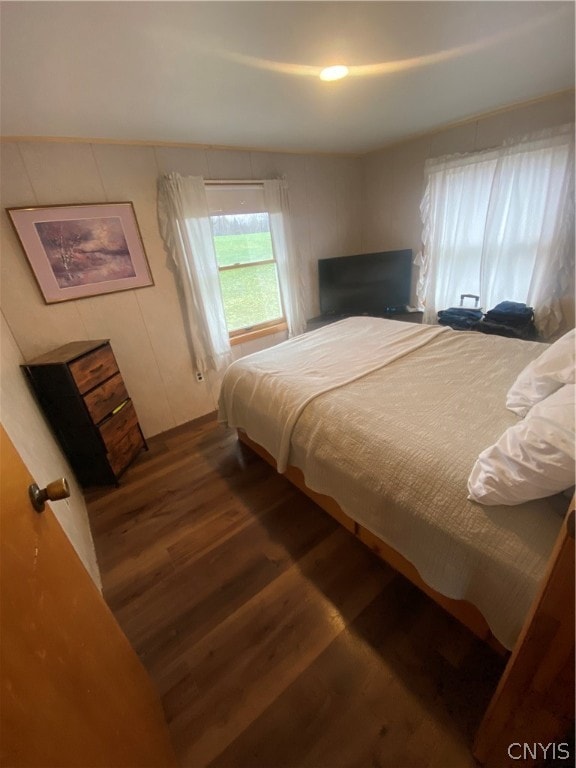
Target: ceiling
pixel 245 74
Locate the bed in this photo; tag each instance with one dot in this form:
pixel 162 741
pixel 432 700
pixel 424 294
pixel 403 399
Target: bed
pixel 381 422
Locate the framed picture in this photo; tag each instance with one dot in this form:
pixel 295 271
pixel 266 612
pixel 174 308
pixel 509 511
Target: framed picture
pixel 82 250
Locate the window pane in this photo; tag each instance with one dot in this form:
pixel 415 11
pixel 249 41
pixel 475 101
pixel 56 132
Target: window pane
pixel 241 238
pixel 250 296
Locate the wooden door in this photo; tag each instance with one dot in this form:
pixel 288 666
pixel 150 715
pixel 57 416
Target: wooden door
pixel 73 691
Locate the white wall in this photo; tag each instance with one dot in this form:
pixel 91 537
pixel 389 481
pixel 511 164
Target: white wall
pixel 39 451
pixel 393 179
pixel 145 326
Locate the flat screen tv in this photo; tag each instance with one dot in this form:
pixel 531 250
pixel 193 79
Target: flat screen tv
pixel 366 284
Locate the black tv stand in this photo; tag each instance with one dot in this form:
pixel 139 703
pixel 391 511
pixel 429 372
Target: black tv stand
pixel 321 320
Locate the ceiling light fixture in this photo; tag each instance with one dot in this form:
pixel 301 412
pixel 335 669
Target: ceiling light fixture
pixel 334 73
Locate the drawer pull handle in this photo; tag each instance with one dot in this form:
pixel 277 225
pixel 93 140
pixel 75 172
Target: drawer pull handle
pixel 119 408
pixel 95 370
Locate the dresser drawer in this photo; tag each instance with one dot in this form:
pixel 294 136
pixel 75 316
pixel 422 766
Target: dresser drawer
pixel 90 370
pixel 105 398
pixel 118 425
pixel 123 451
pixel 122 437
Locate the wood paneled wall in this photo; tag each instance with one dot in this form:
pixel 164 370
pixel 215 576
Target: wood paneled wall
pixel 146 326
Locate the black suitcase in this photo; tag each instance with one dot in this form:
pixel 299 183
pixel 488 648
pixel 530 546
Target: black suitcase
pixel 462 318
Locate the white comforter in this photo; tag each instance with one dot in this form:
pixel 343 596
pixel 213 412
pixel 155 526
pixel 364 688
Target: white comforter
pixel 388 418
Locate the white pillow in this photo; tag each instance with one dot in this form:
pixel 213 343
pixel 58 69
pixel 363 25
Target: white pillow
pixel 532 459
pixel 553 368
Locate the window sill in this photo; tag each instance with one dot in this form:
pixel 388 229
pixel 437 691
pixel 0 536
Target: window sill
pixel 243 336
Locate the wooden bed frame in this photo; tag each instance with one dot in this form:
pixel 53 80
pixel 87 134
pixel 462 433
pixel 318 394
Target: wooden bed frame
pixel 534 700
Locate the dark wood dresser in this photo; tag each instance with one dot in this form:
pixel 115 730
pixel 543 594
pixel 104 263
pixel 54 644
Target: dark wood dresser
pixel 81 392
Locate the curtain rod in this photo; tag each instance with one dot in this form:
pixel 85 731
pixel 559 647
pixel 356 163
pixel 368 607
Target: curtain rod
pixel 230 182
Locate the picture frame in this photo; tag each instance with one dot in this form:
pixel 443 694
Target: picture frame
pixel 76 251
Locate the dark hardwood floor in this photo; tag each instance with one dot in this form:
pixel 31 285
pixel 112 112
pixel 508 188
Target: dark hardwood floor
pixel 274 638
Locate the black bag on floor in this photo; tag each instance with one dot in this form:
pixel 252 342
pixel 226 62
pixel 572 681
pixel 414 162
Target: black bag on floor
pixel 462 318
pixel 510 318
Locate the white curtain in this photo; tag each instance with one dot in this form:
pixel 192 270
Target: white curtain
pixel 500 224
pixel 290 274
pixel 185 227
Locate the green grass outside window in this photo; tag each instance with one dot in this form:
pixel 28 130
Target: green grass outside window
pixel 250 294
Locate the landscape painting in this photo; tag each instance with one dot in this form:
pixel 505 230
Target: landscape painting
pixel 82 250
pixel 86 251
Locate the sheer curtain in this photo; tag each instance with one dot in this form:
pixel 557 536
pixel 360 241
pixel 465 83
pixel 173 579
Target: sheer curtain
pixel 500 224
pixel 185 228
pixel 290 275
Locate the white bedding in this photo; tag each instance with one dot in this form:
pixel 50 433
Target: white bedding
pixel 388 419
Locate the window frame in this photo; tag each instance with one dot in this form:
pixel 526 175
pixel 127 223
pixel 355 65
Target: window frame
pixel 256 330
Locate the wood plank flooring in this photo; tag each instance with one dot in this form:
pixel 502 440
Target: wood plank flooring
pixel 275 639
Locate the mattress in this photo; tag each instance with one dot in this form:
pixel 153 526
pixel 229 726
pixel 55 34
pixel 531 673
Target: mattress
pixel 388 418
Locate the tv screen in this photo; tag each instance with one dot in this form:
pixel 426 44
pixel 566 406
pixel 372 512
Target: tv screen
pixel 366 284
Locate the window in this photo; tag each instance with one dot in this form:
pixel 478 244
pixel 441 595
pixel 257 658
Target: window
pixel 260 265
pixel 246 264
pixel 497 224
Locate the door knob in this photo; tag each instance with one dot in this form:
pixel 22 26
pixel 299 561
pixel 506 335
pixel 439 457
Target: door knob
pixel 54 491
